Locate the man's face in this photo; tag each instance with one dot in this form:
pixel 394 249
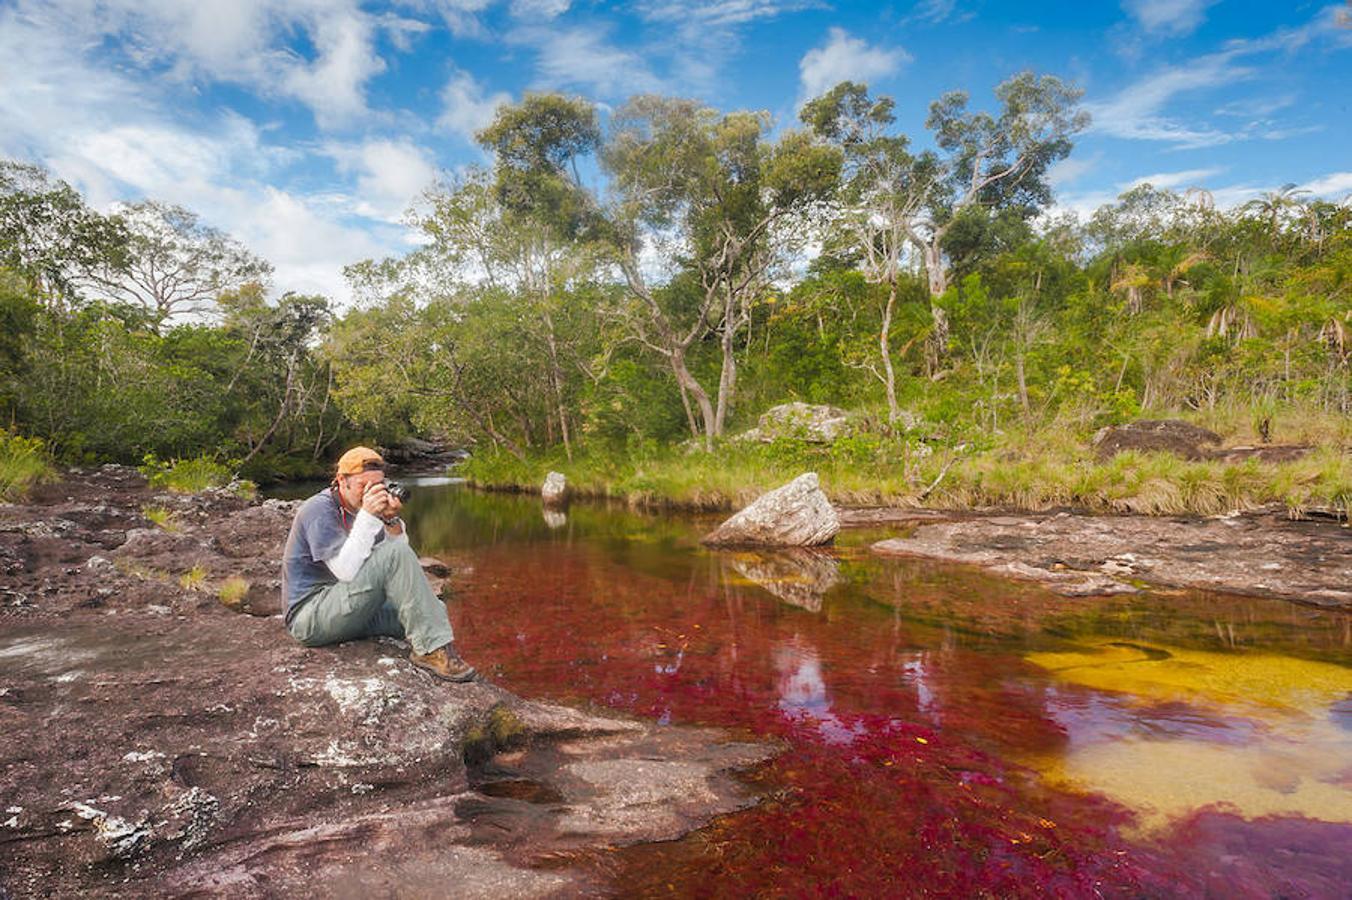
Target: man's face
pixel 354 487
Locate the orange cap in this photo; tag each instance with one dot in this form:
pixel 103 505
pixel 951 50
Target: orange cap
pixel 359 459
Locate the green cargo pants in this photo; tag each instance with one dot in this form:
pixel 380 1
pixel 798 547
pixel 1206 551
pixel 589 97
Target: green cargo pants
pixel 390 596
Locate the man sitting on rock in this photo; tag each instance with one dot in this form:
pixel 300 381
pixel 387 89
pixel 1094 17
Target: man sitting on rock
pixel 348 571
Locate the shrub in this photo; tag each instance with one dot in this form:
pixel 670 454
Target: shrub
pixel 23 463
pixel 189 476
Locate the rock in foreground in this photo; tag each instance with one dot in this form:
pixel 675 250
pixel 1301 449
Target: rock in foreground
pixel 795 515
pixel 155 742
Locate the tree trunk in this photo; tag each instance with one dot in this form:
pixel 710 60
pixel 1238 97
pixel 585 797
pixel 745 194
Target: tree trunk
pixel 885 348
pixel 689 413
pixel 706 407
pixel 281 413
pixel 1023 384
pixel 938 283
pixel 727 379
pixel 556 378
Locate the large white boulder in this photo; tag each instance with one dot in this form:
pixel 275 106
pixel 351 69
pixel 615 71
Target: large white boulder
pixel 555 489
pixel 795 515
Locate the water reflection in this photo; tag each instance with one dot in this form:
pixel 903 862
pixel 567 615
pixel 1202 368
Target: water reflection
pixel 923 699
pixel 799 577
pixel 554 518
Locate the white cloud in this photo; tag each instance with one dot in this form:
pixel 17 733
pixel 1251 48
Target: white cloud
pixel 539 9
pixel 846 58
pixel 720 13
pixel 936 12
pixel 582 57
pixel 118 137
pixel 389 175
pixel 460 16
pixel 1170 180
pixel 465 107
pixel 1069 170
pixel 1137 111
pixel 1334 186
pixel 697 39
pixel 1252 106
pixel 245 42
pixel 334 85
pixel 1172 17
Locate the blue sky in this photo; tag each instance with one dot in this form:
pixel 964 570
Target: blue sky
pixel 305 127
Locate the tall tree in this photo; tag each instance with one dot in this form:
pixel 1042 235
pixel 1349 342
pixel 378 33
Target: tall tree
pixel 175 265
pixel 883 191
pixel 531 237
pixel 50 236
pixel 983 162
pixel 710 195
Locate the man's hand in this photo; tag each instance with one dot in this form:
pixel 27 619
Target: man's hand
pixel 378 502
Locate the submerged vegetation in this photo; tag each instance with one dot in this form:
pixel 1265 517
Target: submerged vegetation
pixel 627 332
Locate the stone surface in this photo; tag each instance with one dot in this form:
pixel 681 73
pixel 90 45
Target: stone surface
pixel 806 421
pixel 794 515
pixel 554 492
pixel 419 455
pixel 1171 435
pixel 1262 555
pixel 1188 441
pixel 155 743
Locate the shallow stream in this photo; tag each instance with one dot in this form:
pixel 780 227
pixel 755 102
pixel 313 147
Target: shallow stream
pixel 944 732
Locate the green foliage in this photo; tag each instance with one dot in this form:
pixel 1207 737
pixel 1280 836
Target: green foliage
pixel 552 326
pixel 189 476
pixel 23 463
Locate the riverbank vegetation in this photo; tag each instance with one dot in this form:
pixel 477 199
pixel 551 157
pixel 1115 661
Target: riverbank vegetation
pixel 1045 471
pixel 621 299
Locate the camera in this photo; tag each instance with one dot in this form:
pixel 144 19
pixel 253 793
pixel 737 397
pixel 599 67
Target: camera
pixel 397 490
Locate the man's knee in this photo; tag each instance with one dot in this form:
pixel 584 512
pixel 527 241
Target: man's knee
pixel 392 553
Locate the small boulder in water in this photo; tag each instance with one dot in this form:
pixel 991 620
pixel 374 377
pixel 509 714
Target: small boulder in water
pixel 555 489
pixel 795 515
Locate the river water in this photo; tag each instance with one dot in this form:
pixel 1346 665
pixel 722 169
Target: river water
pixel 944 732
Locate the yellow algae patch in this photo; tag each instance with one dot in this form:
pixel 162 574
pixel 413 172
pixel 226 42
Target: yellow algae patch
pixel 1161 673
pixel 1162 780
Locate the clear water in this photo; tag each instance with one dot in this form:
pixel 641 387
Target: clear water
pixel 945 732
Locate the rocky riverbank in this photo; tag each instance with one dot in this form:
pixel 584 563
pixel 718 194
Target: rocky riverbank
pixel 1261 554
pixel 161 734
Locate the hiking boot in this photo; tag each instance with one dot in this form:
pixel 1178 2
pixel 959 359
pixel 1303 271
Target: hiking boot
pixel 444 662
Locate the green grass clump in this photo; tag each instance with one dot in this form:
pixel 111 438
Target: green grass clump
pixel 160 517
pixel 23 464
pixel 233 591
pixel 194 579
pixel 190 476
